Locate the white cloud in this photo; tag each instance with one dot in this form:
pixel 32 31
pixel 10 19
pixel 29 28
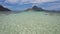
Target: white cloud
pixel 54 7
pixel 40 1
pixel 11 1
pixel 28 1
pixel 36 1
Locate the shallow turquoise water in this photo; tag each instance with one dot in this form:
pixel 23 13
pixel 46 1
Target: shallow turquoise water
pixel 30 23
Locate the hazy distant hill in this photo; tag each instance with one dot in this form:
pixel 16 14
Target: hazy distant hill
pixel 4 9
pixel 55 5
pixel 36 8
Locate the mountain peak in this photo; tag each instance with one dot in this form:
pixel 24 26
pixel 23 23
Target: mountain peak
pixel 4 9
pixel 36 8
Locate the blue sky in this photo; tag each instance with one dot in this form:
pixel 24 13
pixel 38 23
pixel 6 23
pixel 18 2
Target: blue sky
pixel 24 4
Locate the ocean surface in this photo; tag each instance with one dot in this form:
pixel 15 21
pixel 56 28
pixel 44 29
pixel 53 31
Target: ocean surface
pixel 29 22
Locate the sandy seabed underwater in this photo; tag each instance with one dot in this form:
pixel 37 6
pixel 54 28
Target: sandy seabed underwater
pixel 30 23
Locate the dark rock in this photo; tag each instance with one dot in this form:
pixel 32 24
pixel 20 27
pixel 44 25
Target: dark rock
pixel 3 8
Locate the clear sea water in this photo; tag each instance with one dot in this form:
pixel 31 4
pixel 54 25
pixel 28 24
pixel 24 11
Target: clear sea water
pixel 30 22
